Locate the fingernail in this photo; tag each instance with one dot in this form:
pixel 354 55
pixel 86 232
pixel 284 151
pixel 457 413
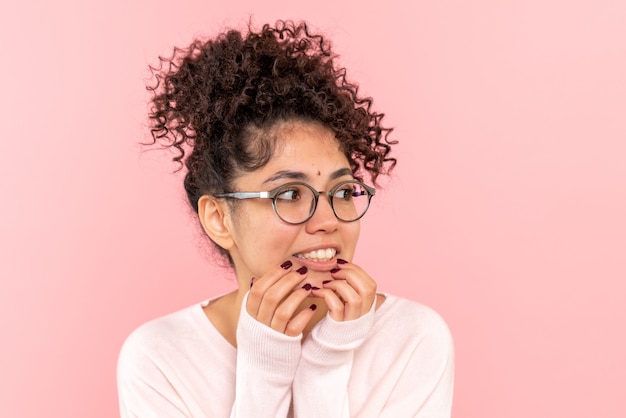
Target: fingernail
pixel 326 281
pixel 335 270
pixel 307 286
pixel 313 307
pixel 341 261
pixel 301 270
pixel 315 288
pixel 287 264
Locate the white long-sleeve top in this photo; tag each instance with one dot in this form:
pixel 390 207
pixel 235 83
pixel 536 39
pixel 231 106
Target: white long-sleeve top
pixel 396 361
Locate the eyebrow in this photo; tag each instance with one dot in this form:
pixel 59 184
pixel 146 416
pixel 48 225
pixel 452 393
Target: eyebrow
pixel 299 175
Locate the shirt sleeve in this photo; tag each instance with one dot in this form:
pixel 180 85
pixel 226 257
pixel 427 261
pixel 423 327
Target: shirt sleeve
pixel 320 387
pixel 266 366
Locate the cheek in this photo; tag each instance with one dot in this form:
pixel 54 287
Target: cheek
pixel 263 241
pixel 350 237
pixel 251 225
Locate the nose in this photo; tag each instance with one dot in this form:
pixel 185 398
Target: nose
pixel 323 218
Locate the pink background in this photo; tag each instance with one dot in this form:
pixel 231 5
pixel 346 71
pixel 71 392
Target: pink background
pixel 506 212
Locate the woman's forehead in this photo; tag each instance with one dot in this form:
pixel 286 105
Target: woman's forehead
pixel 303 151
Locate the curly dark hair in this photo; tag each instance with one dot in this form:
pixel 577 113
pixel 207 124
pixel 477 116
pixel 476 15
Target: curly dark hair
pixel 221 97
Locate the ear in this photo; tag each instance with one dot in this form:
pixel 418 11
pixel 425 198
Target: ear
pixel 215 219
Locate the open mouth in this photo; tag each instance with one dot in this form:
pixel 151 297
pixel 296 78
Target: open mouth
pixel 321 255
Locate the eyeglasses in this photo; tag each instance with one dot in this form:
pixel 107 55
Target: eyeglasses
pixel 295 202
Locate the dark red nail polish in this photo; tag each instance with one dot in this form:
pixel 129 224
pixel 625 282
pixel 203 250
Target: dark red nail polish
pixel 315 288
pixel 313 307
pixel 326 281
pixel 307 286
pixel 335 270
pixel 287 264
pixel 341 261
pixel 302 269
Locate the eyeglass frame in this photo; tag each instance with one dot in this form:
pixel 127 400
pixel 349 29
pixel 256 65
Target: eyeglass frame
pixel 272 194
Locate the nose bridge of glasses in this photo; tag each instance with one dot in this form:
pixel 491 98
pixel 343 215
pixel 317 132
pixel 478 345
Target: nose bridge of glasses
pixel 321 209
pixel 328 200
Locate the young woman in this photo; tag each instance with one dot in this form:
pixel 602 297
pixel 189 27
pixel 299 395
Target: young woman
pixel 277 146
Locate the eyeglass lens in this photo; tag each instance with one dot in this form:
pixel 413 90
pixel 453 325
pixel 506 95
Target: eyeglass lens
pixel 294 203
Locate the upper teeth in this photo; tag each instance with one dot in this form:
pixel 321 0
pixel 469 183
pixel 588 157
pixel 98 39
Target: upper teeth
pixel 319 255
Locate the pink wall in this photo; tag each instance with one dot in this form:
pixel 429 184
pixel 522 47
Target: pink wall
pixel 506 212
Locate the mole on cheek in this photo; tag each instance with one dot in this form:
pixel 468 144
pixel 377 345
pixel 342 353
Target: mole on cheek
pixel 318 173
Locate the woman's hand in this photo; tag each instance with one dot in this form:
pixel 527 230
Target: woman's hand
pixel 274 299
pixel 350 295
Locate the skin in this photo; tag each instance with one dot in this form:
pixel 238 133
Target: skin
pixel 259 242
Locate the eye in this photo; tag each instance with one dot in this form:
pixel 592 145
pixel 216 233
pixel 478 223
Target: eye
pixel 345 192
pixel 290 194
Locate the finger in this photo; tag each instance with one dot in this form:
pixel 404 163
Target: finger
pixel 360 281
pixel 286 310
pixel 333 303
pixel 297 324
pixel 261 285
pixel 277 293
pixel 351 299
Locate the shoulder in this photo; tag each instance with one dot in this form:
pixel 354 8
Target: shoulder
pixel 154 341
pixel 412 316
pixel 154 360
pixel 410 352
pixel 415 325
pixel 155 331
pixel 416 336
